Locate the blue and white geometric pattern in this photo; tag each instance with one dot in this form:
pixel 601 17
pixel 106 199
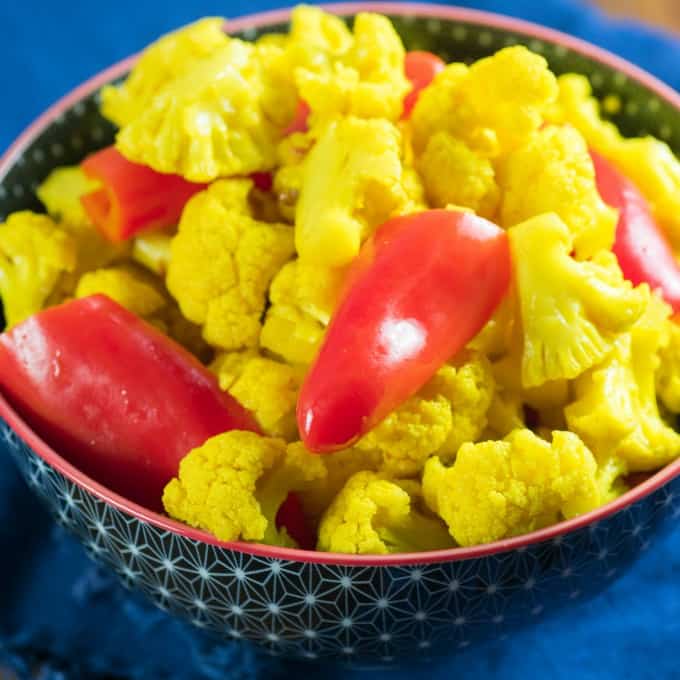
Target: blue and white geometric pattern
pixel 356 613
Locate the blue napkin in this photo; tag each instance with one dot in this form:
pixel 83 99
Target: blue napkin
pixel 61 617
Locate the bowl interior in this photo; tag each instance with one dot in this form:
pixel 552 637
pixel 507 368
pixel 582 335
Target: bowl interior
pixel 78 129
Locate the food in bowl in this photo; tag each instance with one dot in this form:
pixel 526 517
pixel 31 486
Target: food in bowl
pixel 330 294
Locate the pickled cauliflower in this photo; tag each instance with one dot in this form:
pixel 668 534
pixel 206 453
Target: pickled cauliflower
pixel 34 254
pixel 234 485
pixel 616 411
pixel 268 165
pixel 648 162
pixel 504 488
pixel 374 515
pixel 571 311
pixel 222 261
pixel 552 172
pixel 351 183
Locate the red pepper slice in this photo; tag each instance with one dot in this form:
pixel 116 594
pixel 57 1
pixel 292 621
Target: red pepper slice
pixel 421 69
pixel 133 197
pixel 292 517
pixel 263 180
pixel 299 123
pixel 422 287
pixel 643 252
pixel 117 398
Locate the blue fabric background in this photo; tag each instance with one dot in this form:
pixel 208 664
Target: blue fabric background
pixel 62 617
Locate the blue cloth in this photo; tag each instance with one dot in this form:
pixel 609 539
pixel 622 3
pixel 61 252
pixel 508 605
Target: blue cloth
pixel 62 617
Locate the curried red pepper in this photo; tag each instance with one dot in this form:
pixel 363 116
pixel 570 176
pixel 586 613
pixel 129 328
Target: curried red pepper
pixel 120 400
pixel 132 197
pixel 421 288
pixel 643 252
pixel 421 69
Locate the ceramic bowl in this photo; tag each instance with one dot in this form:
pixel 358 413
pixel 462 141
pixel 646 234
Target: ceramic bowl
pixel 317 605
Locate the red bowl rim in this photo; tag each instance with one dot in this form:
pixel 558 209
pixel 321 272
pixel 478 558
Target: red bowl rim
pixel 44 451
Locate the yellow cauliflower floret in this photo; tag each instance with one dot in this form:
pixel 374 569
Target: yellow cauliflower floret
pixel 615 411
pixel 228 366
pixel 340 466
pixel 410 434
pixel 288 178
pixel 303 297
pixel 291 334
pixel 210 120
pixel 235 483
pixel 173 55
pixel 352 183
pixel 124 285
pixel 152 250
pixel 362 76
pixel 373 515
pixel 504 488
pixel 571 311
pixel 316 36
pixel 647 162
pixel 668 372
pixel 492 106
pixel 60 194
pixel 222 261
pixel 34 254
pixel 468 386
pixel 553 172
pixel 454 174
pixel 269 390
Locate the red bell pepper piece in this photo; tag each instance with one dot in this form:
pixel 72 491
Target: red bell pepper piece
pixel 132 197
pixel 299 123
pixel 120 400
pixel 421 288
pixel 292 517
pixel 421 69
pixel 643 252
pixel 263 180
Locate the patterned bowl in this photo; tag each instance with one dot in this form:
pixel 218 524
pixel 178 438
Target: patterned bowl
pixel 317 605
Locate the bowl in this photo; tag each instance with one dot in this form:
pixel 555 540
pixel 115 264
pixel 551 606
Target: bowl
pixel 360 609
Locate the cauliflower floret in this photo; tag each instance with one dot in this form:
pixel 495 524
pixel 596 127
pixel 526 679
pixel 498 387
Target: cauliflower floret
pixel 449 410
pixel 553 172
pixel 340 466
pixel 504 488
pixel 615 411
pixel 222 261
pixel 492 106
pixel 235 483
pixel 468 386
pixel 152 250
pixel 291 334
pixel 352 183
pixel 363 76
pixel 60 194
pixel 128 287
pixel 34 254
pixel 668 372
pixel 303 297
pixel 646 161
pixel 211 120
pixel 373 515
pixel 173 55
pixel 269 390
pixel 571 311
pixel 316 37
pixel 410 434
pixel 288 178
pixel 228 366
pixel 454 174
